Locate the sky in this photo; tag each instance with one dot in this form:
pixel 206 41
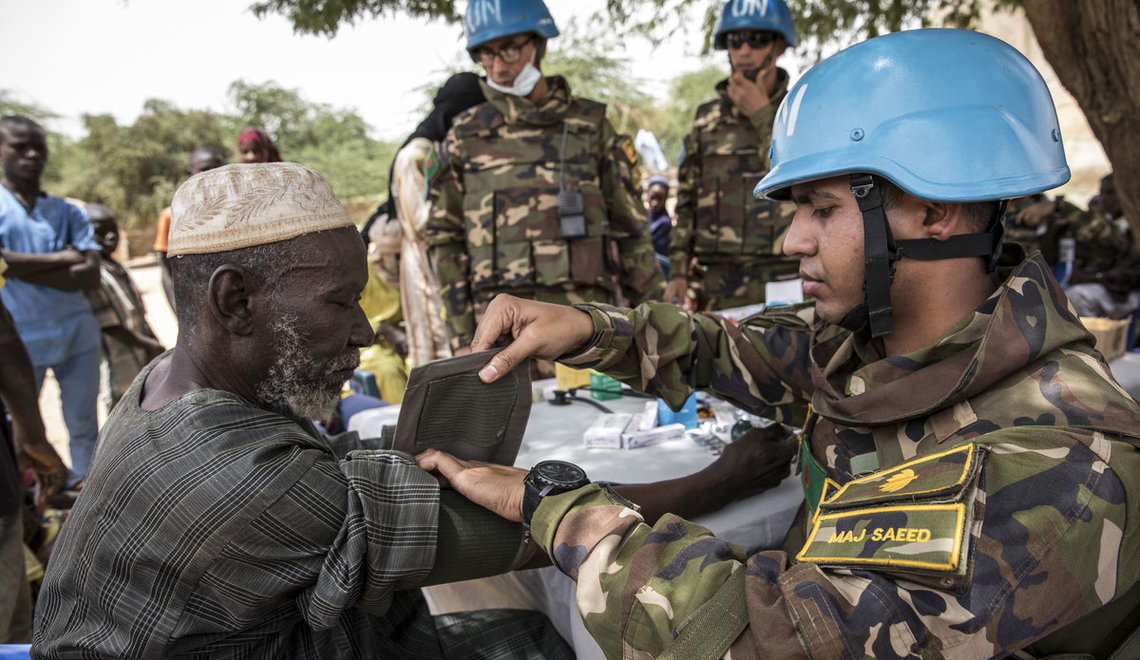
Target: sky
pixel 109 56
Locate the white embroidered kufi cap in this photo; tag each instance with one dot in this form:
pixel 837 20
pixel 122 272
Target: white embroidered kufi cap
pixel 243 205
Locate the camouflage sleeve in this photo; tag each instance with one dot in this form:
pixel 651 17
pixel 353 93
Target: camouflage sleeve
pixel 762 121
pixel 1098 239
pixel 688 179
pixel 639 274
pixel 1041 543
pixel 668 352
pixel 445 230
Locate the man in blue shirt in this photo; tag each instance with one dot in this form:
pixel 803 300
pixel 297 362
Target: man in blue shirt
pixel 52 257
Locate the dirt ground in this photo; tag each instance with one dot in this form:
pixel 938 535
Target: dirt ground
pixel 146 275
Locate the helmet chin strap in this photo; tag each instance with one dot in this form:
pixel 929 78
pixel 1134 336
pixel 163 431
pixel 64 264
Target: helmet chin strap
pixel 881 253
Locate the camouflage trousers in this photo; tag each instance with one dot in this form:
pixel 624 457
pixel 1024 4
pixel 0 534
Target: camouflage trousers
pixel 739 283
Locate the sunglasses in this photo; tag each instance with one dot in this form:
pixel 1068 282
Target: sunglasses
pixel 509 54
pixel 754 39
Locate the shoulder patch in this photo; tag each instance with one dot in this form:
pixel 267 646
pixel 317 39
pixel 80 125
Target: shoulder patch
pixel 433 164
pixel 938 475
pixel 914 516
pixel 627 147
pixel 633 161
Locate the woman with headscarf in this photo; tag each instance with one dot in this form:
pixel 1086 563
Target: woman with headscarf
pixel 256 146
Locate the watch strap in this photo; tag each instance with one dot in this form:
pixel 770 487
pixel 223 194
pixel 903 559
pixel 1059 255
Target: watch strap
pixel 537 487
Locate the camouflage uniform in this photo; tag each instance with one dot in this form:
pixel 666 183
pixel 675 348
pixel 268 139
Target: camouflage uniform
pixel 737 238
pixel 495 223
pixel 980 494
pixel 1042 237
pixel 1101 244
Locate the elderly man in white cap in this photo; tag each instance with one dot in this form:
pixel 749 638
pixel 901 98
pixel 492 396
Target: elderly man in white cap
pixel 217 522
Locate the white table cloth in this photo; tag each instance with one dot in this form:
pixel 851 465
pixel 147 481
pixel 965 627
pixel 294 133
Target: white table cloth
pixel 555 432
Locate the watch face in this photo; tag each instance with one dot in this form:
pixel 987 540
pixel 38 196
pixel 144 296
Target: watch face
pixel 560 473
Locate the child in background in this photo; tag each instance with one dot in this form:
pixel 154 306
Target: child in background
pixel 128 341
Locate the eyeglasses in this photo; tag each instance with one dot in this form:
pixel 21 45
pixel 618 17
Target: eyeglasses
pixel 753 38
pixel 509 54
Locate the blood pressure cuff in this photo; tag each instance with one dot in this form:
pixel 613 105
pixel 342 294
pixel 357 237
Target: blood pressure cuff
pixel 472 542
pixel 913 519
pixel 447 407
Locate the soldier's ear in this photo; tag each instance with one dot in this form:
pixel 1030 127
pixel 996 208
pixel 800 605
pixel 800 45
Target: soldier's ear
pixel 942 219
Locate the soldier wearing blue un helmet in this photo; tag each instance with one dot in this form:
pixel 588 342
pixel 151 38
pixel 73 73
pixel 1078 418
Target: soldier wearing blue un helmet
pixel 734 237
pixel 533 192
pixel 970 469
pixel 997 139
pixel 528 21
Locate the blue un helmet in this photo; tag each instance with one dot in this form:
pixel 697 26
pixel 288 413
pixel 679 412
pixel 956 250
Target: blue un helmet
pixel 946 115
pixel 488 20
pixel 771 15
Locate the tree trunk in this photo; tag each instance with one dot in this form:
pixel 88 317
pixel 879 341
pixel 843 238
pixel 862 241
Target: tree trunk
pixel 1094 46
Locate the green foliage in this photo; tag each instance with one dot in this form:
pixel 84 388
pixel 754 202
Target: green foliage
pixel 585 57
pixel 821 24
pixel 280 112
pixel 324 17
pixel 334 142
pixel 135 169
pixel 675 118
pixel 9 105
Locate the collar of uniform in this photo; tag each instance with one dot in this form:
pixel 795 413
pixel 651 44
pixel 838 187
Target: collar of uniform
pixel 777 97
pixel 549 110
pixel 1016 326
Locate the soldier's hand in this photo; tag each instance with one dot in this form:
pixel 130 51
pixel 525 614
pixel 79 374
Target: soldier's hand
pixel 1034 214
pixel 750 96
pixel 756 461
pixel 534 328
pixel 498 488
pixel 677 293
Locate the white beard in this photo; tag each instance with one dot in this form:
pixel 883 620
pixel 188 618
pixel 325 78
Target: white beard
pixel 298 383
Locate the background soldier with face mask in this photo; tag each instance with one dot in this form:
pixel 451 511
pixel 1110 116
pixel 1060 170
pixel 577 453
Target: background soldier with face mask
pixel 534 193
pixel 735 237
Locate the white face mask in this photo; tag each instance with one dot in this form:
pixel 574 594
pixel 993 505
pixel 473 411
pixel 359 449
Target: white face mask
pixel 524 82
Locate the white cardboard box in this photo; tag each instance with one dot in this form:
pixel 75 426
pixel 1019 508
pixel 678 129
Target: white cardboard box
pixel 606 431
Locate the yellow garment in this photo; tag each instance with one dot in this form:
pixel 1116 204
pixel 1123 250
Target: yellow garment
pixel 381 304
pixel 380 301
pixel 3 267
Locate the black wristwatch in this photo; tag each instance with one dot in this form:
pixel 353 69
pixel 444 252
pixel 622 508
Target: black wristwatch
pixel 549 478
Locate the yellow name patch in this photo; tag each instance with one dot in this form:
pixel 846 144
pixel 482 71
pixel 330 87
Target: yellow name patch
pixel 908 534
pixel 923 536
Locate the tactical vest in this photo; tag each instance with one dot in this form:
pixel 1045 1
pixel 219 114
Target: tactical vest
pixel 729 220
pixel 512 175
